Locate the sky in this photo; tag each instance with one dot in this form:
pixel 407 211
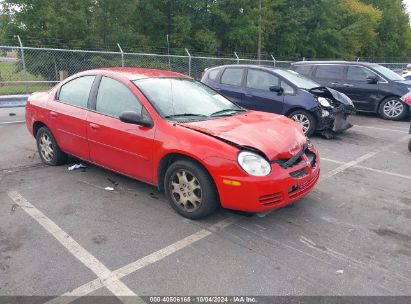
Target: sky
pixel 408 5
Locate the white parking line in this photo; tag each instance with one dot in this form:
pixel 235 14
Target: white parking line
pixel 143 262
pixel 345 166
pixel 383 129
pixel 11 122
pixel 355 162
pixel 105 276
pixel 368 168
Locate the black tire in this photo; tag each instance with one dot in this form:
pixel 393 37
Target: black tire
pixel 300 116
pixel 53 157
pixel 388 109
pixel 189 206
pixel 409 145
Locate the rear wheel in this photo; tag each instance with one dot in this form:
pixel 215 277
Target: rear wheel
pixel 49 151
pixel 393 108
pixel 306 120
pixel 190 190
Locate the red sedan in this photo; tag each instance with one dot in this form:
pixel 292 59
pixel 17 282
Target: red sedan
pixel 171 131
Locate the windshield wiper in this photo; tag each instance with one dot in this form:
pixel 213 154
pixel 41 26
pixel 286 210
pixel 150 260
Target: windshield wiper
pixel 219 113
pixel 185 115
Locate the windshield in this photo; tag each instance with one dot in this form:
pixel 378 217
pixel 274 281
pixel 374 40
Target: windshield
pixel 297 79
pixel 387 73
pixel 182 98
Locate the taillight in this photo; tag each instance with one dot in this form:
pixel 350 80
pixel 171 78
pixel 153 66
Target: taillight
pixel 407 98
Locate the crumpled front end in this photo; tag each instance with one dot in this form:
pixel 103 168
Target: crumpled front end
pixel 334 109
pixel 290 179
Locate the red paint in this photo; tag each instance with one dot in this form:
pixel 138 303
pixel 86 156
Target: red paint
pixel 136 151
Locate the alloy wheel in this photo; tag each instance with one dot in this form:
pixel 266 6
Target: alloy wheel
pixel 303 120
pixel 185 190
pixel 46 147
pixel 393 108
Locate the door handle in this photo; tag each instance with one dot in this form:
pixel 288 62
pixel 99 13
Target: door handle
pixel 53 114
pixel 94 126
pixel 334 83
pixel 248 95
pixel 347 85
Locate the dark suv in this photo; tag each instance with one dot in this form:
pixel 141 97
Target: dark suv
pixel 284 92
pixel 372 87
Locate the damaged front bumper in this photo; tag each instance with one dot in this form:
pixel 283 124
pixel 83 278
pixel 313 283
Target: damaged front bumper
pixel 333 119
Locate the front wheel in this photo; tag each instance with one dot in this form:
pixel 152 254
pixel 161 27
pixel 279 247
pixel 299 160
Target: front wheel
pixel 49 151
pixel 190 189
pixel 306 120
pixel 393 109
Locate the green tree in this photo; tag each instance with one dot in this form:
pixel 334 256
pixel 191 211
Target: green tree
pixel 394 32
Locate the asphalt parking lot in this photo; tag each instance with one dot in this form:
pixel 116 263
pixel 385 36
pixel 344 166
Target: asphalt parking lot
pixel 62 233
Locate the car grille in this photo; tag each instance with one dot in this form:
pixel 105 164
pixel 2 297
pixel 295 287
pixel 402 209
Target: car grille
pixel 297 190
pixel 271 199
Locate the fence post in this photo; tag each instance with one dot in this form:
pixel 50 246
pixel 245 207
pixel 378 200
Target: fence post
pixel 24 65
pixel 189 62
pixel 273 59
pixel 238 58
pixel 122 55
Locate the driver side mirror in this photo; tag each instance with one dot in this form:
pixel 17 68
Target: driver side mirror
pixel 373 79
pixel 277 88
pixel 136 119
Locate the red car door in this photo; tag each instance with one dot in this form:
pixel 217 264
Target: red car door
pixel 122 147
pixel 68 116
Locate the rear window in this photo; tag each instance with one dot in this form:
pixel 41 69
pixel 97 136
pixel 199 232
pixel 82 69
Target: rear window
pixel 304 69
pixel 232 76
pixel 213 74
pixel 330 72
pixel 76 91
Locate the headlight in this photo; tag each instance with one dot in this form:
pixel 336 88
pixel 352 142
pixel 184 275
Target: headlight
pixel 324 102
pixel 325 113
pixel 253 164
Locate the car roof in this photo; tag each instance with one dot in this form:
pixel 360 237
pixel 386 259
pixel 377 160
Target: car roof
pixel 265 67
pixel 334 62
pixel 139 73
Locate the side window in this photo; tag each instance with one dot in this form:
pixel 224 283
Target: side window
pixel 76 91
pixel 113 98
pixel 232 76
pixel 287 88
pixel 330 72
pixel 261 80
pixel 356 73
pixel 304 69
pixel 213 74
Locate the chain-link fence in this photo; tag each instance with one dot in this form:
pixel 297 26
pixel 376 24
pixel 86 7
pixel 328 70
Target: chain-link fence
pixel 25 70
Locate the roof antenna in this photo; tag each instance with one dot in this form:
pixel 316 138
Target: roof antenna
pixel 168 52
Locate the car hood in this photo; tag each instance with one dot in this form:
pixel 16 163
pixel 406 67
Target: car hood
pixel 405 82
pixel 331 94
pixel 274 135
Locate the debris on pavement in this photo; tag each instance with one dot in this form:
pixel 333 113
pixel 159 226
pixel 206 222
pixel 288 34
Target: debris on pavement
pixel 76 166
pixel 112 181
pixel 109 188
pixel 340 271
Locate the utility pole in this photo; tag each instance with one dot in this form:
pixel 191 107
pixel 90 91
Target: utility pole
pixel 259 32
